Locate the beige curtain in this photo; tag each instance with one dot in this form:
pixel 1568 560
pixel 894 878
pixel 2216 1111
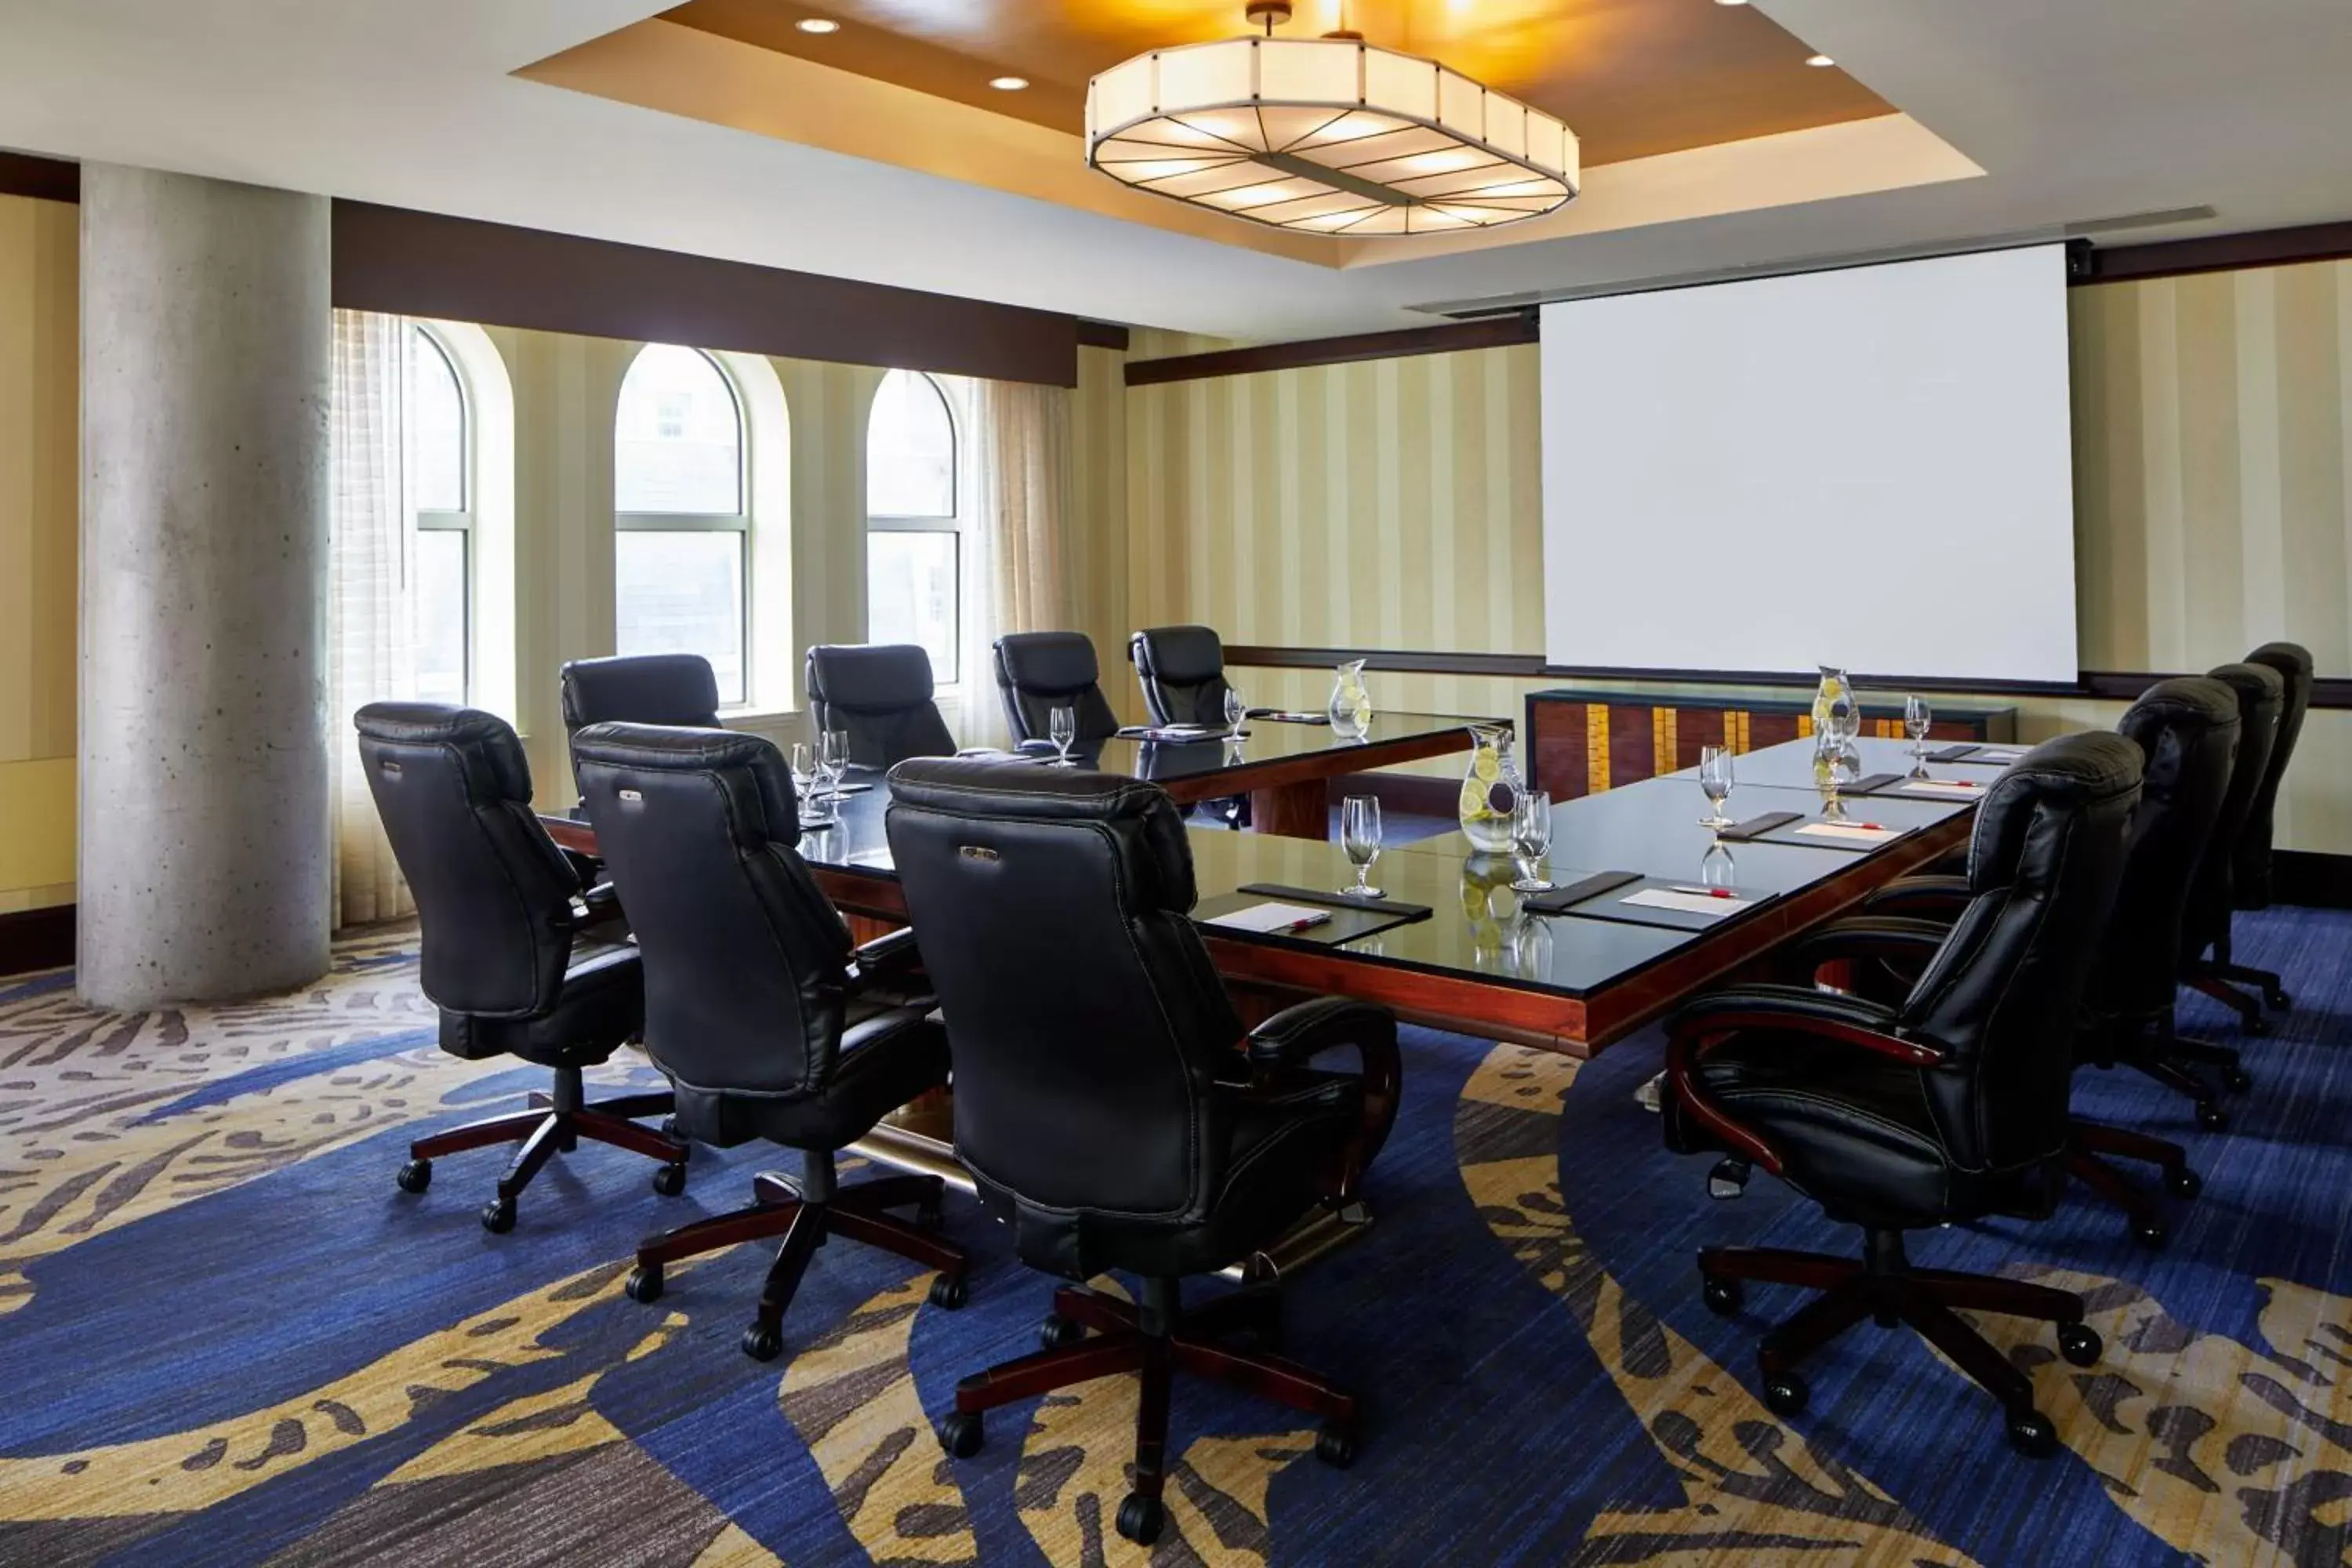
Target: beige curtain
pixel 1024 522
pixel 371 637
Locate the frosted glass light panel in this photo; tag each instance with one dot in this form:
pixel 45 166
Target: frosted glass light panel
pixel 912 587
pixel 681 591
pixel 911 456
pixel 677 437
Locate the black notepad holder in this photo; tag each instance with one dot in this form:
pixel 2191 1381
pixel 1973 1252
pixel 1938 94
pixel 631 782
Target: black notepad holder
pixel 1347 923
pixel 1757 827
pixel 1609 904
pixel 1324 897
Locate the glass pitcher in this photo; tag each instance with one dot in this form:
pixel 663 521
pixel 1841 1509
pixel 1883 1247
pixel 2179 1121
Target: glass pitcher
pixel 1490 790
pixel 1351 709
pixel 1837 721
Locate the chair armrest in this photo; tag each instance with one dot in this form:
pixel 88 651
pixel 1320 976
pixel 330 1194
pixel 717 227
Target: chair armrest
pixel 1866 936
pixel 1921 898
pixel 593 905
pixel 1288 1041
pixel 1698 1027
pixel 893 950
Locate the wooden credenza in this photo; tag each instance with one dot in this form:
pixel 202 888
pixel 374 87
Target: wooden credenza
pixel 1584 740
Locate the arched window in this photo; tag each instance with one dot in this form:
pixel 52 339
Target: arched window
pixel 913 547
pixel 681 525
pixel 440 492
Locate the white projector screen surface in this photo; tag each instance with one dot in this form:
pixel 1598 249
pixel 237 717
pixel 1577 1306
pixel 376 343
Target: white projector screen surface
pixel 1870 468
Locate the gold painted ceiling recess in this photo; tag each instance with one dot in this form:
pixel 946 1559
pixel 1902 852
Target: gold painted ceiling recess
pixel 1330 135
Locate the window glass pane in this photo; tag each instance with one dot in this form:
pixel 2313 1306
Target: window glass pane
pixel 910 595
pixel 677 440
pixel 682 591
pixel 909 449
pixel 439 604
pixel 436 427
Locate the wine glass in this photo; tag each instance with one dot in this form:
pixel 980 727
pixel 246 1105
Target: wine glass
pixel 803 766
pixel 1917 720
pixel 1717 867
pixel 1236 712
pixel 817 810
pixel 1061 728
pixel 1531 839
pixel 1715 781
pixel 832 762
pixel 1359 834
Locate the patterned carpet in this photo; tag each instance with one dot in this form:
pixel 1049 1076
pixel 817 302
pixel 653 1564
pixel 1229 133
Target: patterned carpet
pixel 227 1339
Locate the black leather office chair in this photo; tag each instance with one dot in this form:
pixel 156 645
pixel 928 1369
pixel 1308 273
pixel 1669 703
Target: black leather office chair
pixel 1949 1106
pixel 768 1021
pixel 1182 672
pixel 2205 923
pixel 520 957
pixel 881 696
pixel 1109 1104
pixel 640 688
pixel 1037 672
pixel 2251 876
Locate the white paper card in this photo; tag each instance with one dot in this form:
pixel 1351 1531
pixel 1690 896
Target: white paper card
pixel 1688 903
pixel 1847 833
pixel 1953 787
pixel 1264 918
pixel 1997 754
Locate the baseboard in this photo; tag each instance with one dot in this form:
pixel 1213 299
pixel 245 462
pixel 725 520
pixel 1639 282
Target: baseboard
pixel 2303 877
pixel 36 939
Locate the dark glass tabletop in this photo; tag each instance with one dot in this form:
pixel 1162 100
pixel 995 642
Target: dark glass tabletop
pixel 1791 765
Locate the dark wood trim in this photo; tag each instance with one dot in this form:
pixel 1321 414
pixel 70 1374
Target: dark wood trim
pixel 2101 685
pixel 2221 253
pixel 424 264
pixel 2317 880
pixel 1102 335
pixel 1451 337
pixel 44 179
pixel 36 939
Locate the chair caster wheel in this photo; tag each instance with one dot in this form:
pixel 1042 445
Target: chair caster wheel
pixel 669 1129
pixel 1787 1395
pixel 947 1291
pixel 2031 1434
pixel 2211 1116
pixel 1055 1332
pixel 415 1176
pixel 2080 1343
pixel 671 1180
pixel 644 1284
pixel 2279 1000
pixel 498 1215
pixel 1728 1179
pixel 961 1433
pixel 762 1342
pixel 1724 1297
pixel 2184 1184
pixel 2237 1080
pixel 2151 1235
pixel 1139 1518
pixel 1335 1444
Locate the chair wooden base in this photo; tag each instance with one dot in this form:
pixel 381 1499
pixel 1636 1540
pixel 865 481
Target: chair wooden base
pixel 804 1222
pixel 554 1125
pixel 1882 1286
pixel 2157 1050
pixel 2087 1141
pixel 1091 1335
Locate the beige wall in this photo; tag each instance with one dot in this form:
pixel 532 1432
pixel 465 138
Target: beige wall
pixel 40 513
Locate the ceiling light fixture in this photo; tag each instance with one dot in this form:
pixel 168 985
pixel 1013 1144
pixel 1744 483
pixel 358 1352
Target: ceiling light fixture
pixel 1008 83
pixel 817 24
pixel 1731 2
pixel 1330 135
pixel 1821 60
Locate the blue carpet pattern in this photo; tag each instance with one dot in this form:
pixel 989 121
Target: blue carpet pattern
pixel 227 1339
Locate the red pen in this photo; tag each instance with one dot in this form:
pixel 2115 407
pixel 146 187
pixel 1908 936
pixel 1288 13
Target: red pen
pixel 1706 892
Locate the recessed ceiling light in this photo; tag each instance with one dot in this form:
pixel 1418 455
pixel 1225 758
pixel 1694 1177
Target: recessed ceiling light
pixel 817 24
pixel 1731 2
pixel 1821 60
pixel 1009 83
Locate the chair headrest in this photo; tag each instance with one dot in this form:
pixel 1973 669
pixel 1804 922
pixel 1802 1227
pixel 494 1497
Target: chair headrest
pixel 1141 815
pixel 879 678
pixel 2071 774
pixel 674 749
pixel 1046 662
pixel 2258 687
pixel 496 768
pixel 2186 705
pixel 1181 654
pixel 2293 663
pixel 641 689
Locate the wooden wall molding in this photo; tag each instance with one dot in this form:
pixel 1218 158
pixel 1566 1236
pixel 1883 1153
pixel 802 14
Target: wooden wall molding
pixel 36 939
pixel 1450 337
pixel 2221 253
pixel 2100 685
pixel 46 179
pixel 1103 335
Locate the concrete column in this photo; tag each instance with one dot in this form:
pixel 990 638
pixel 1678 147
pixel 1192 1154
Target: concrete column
pixel 207 347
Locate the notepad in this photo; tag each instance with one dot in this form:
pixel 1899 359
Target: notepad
pixel 1847 833
pixel 1942 786
pixel 1269 919
pixel 2003 754
pixel 1688 903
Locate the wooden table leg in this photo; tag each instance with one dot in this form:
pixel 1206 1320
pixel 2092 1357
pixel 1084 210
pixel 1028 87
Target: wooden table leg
pixel 1294 810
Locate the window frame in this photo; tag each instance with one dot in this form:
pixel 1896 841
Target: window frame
pixel 738 521
pixel 952 522
pixel 425 520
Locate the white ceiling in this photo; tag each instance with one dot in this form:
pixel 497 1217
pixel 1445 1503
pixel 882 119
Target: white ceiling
pixel 2076 110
